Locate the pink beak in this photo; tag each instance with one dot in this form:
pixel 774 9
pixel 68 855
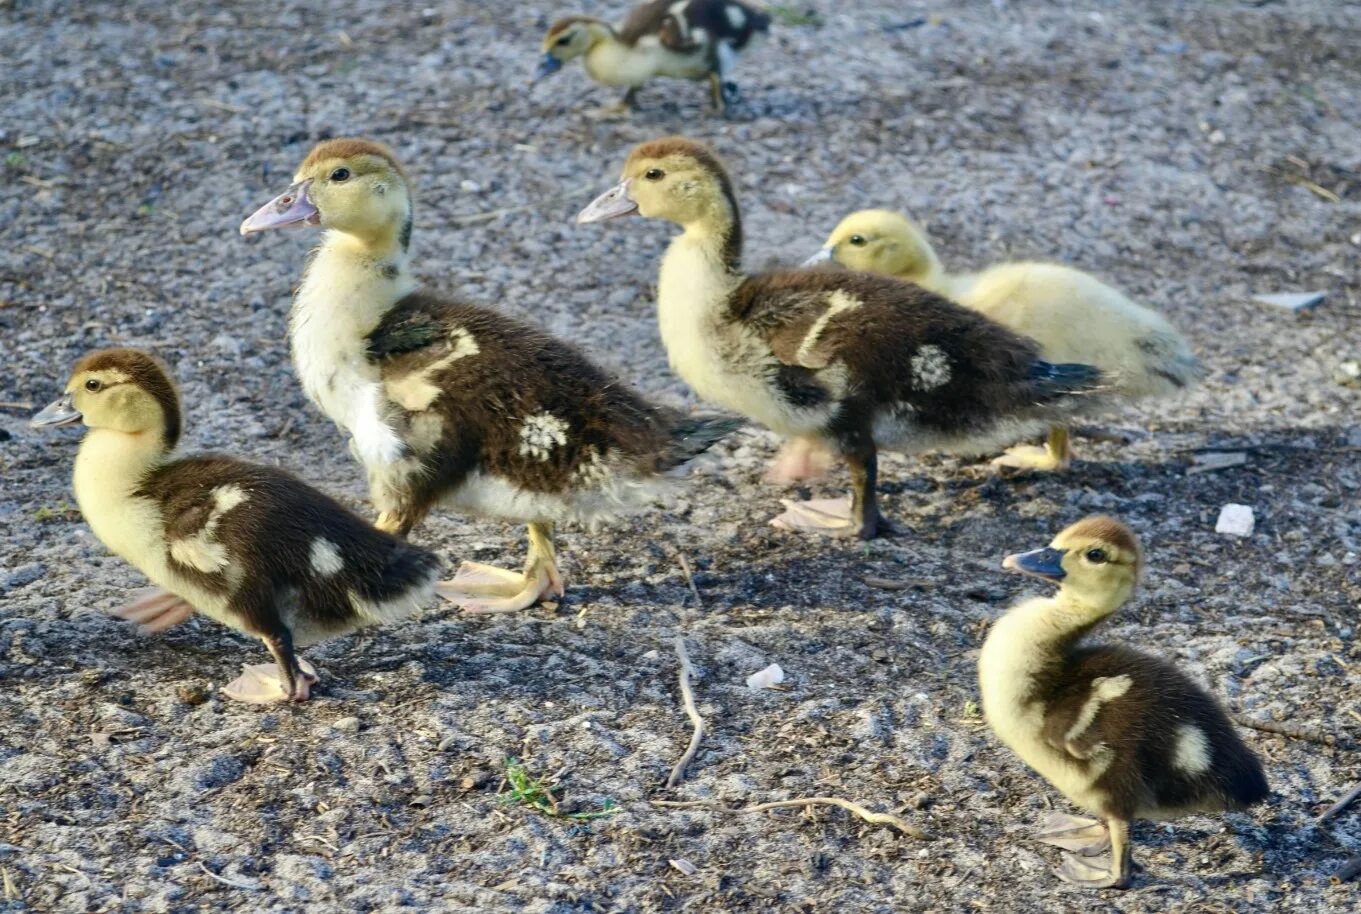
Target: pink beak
pixel 289 208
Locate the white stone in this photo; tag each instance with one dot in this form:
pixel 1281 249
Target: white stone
pixel 1235 520
pixel 764 679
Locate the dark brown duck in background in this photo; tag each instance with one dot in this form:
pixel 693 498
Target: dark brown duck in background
pixel 698 39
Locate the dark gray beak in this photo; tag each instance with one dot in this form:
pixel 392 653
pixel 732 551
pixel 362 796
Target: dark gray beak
pixel 548 65
pixel 1044 563
pixel 58 412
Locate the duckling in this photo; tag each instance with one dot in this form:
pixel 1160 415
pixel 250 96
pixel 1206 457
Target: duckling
pixel 689 39
pixel 851 360
pixel 1121 733
pixel 1074 316
pixel 250 546
pixel 450 403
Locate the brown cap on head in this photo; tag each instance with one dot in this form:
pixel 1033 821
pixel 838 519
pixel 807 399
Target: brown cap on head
pixel 146 372
pixel 1107 530
pixel 679 145
pixel 347 147
pixel 566 23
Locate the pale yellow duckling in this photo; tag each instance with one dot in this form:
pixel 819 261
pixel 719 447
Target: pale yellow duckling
pixel 1074 316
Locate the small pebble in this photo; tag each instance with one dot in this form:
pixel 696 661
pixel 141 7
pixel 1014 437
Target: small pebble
pixel 1236 520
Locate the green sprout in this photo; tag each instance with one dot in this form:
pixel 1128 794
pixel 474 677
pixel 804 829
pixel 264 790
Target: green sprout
pixel 526 790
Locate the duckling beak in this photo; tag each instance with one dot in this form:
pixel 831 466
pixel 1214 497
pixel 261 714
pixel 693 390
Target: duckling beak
pixel 548 65
pixel 58 412
pixel 292 207
pixel 1044 563
pixel 612 204
pixel 822 256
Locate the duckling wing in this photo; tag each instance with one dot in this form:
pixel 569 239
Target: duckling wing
pixel 275 548
pixel 661 19
pixel 486 397
pixel 1155 741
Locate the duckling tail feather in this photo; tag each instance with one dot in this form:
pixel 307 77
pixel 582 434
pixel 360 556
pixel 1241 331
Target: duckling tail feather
pixel 691 437
pixel 1049 381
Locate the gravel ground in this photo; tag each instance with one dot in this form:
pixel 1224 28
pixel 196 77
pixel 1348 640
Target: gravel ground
pixel 1162 145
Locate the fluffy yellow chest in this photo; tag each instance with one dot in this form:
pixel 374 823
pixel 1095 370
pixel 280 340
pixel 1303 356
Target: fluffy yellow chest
pixel 109 469
pixel 1007 667
pixel 341 299
pixel 721 361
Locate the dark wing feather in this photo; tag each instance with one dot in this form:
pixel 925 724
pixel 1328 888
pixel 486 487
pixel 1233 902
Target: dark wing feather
pixel 404 330
pixel 654 18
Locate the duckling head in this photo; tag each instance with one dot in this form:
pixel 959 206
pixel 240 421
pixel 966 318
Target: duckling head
pixel 352 186
pixel 569 39
pixel 675 179
pixel 123 390
pixel 1096 563
pixel 880 241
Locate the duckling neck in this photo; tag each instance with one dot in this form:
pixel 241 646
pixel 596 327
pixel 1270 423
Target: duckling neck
pixel 349 285
pixel 110 467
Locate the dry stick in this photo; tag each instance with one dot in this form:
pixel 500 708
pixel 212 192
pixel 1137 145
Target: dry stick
pixel 1281 728
pixel 690 579
pixel 688 696
pixel 874 818
pixel 225 881
pixel 1347 871
pixel 1340 804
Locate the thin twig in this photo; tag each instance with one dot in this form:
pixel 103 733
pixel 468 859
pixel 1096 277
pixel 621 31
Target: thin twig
pixel 1340 805
pixel 692 712
pixel 874 818
pixel 1347 871
pixel 16 404
pixel 1282 728
pixel 690 580
pixel 225 881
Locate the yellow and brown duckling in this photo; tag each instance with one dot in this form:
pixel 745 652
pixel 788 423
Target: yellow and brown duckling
pixel 1074 316
pixel 249 546
pixel 448 403
pixel 850 360
pixel 1121 733
pixel 684 39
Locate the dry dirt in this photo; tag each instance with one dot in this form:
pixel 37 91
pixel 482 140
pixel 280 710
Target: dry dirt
pixel 1162 145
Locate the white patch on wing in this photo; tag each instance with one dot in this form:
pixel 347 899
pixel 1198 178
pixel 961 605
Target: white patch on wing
pixel 540 433
pixel 325 557
pixel 592 469
pixel 1193 750
pixel 202 550
pixel 736 16
pixel 837 303
pixel 1104 689
pixel 416 390
pixel 930 368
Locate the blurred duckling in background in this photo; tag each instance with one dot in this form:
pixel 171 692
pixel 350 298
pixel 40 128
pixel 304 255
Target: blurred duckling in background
pixel 451 403
pixel 1121 733
pixel 852 361
pixel 685 39
pixel 249 546
pixel 1072 315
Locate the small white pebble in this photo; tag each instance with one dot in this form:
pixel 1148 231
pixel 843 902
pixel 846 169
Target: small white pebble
pixel 764 679
pixel 1236 520
pixel 651 655
pixel 469 187
pixel 346 725
pixel 685 866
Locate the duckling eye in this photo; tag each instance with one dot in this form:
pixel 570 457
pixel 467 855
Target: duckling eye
pixel 857 240
pixel 94 385
pixel 340 174
pixel 564 40
pixel 1097 556
pixel 654 174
